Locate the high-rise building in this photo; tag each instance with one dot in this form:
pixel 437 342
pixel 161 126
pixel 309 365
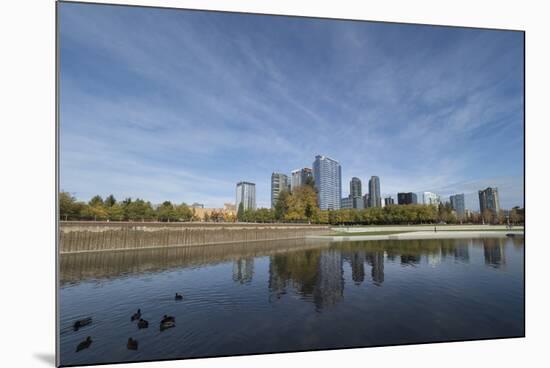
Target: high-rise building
pixel 388 201
pixel 279 183
pixel 430 198
pixel 366 201
pixel 355 193
pixel 327 174
pixel 346 202
pixel 374 192
pixel 355 187
pixel 406 198
pixel 358 203
pixel 299 177
pixel 488 200
pixel 246 194
pixel 457 202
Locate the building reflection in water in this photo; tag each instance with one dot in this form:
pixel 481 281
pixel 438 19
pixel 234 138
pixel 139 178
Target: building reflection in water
pixel 243 270
pixel 410 259
pixel 462 253
pixel 316 275
pixel 329 288
pixel 376 261
pixel 434 258
pixel 296 270
pixel 357 262
pixel 493 251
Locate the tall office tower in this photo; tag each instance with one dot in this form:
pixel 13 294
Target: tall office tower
pixel 406 198
pixel 246 194
pixel 327 174
pixel 355 187
pixel 488 200
pixel 346 203
pixel 430 198
pixel 299 177
pixel 355 193
pixel 457 202
pixel 374 192
pixel 366 201
pixel 358 203
pixel 388 201
pixel 279 183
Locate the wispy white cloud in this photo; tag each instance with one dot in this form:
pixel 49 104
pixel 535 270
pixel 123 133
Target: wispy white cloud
pixel 181 105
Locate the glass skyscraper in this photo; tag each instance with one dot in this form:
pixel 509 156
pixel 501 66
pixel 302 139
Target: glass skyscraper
pixel 279 182
pixel 457 202
pixel 488 200
pixel 374 192
pixel 430 198
pixel 406 198
pixel 355 193
pixel 299 177
pixel 246 194
pixel 327 174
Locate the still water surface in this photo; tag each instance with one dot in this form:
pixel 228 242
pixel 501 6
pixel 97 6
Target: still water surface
pixel 290 295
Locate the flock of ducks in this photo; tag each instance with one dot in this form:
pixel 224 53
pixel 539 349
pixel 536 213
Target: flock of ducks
pixel 165 323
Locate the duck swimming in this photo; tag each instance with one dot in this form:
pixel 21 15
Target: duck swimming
pixel 167 322
pixel 84 344
pixel 179 296
pixel 143 323
pixel 81 323
pixel 166 318
pixel 136 315
pixel 132 344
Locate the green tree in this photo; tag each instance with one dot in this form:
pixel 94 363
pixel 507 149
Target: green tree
pixel 166 212
pixel 69 208
pixel 264 215
pixel 302 204
pixel 138 210
pixel 115 212
pixel 96 201
pixel 240 212
pixel 183 212
pixel 110 201
pixel 95 213
pixel 281 206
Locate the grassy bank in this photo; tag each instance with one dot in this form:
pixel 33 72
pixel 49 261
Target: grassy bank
pixel 368 233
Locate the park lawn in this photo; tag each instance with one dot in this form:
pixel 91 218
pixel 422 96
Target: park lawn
pixel 512 229
pixel 367 233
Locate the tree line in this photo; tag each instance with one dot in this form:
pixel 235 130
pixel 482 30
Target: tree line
pixel 298 206
pixel 99 209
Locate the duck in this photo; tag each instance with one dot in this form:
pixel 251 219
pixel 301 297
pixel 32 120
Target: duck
pixel 179 296
pixel 167 322
pixel 166 318
pixel 84 344
pixel 142 323
pixel 82 322
pixel 137 315
pixel 132 344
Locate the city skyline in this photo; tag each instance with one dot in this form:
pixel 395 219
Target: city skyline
pixel 145 119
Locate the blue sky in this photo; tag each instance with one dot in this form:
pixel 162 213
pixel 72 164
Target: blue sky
pixel 181 105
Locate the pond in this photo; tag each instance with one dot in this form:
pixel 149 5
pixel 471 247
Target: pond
pixel 289 295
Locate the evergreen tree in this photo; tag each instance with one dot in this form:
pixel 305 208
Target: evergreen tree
pixel 240 212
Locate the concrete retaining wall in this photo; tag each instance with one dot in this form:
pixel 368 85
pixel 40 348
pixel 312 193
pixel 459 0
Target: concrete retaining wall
pixel 102 236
